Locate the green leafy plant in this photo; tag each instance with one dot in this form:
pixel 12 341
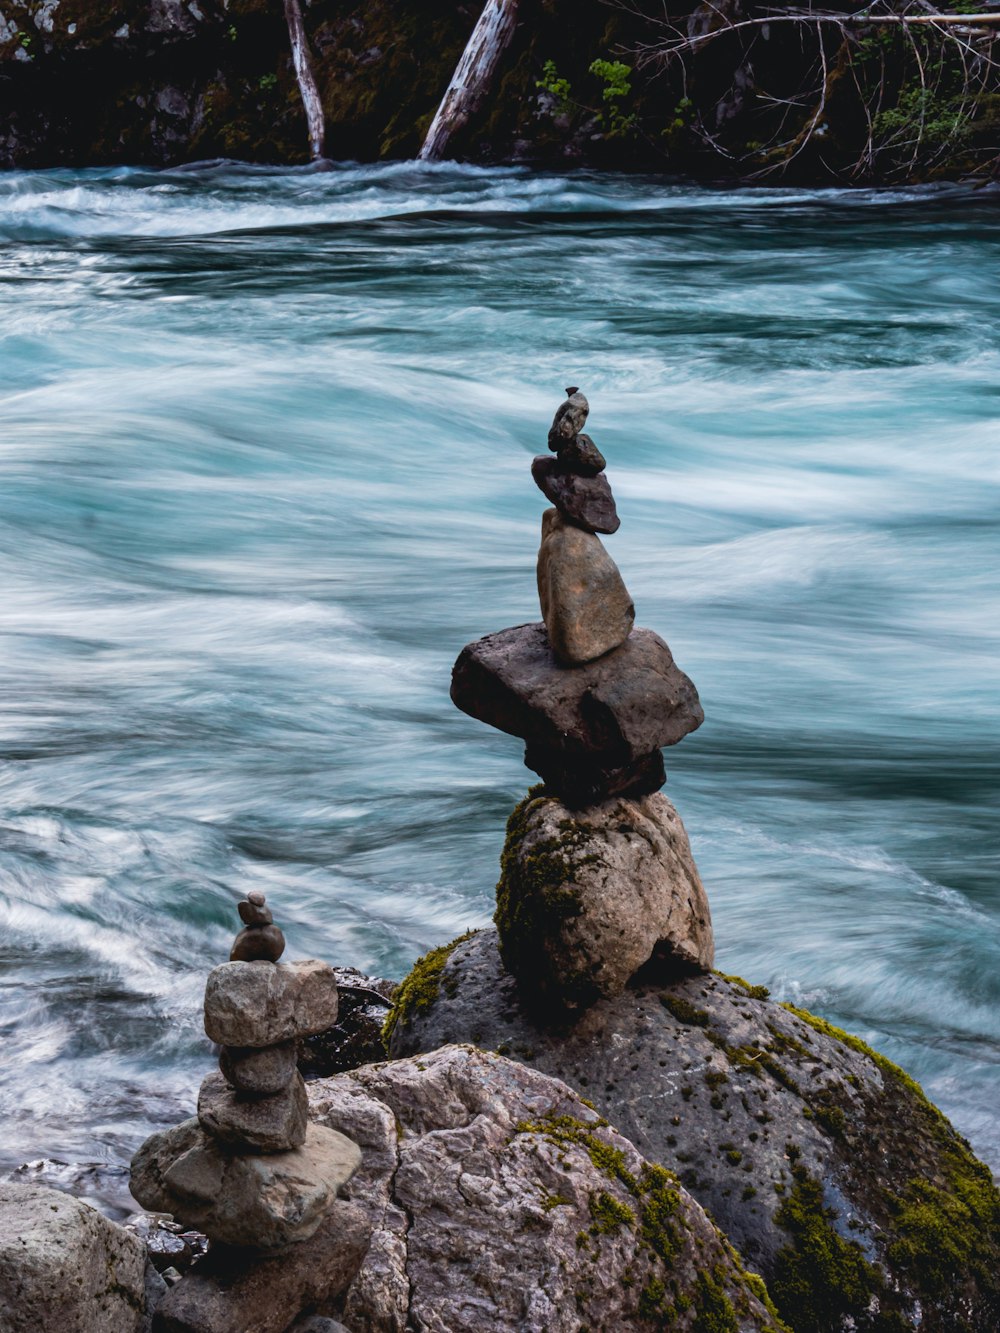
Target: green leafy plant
pixel 267 82
pixel 617 78
pixel 557 87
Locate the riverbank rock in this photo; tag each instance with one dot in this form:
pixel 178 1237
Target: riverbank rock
pixel 263 1202
pixel 262 1004
pixel 585 605
pixel 272 1124
pixel 500 1201
pixel 259 1070
pixel 227 1292
pixel 606 715
pixel 823 1162
pixel 65 1268
pixel 586 899
pixel 356 1037
pixel 583 498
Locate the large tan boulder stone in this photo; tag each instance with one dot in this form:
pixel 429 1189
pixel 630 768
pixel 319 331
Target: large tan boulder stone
pixel 589 897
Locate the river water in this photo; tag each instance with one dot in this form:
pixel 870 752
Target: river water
pixel 264 451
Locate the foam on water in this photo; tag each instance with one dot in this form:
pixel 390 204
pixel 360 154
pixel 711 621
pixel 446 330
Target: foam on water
pixel 264 446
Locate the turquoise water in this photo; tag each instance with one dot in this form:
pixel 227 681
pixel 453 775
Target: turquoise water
pixel 264 451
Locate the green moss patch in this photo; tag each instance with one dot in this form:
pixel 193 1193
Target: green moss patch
pixel 421 987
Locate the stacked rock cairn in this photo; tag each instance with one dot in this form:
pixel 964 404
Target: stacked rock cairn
pixel 598 883
pixel 251 1170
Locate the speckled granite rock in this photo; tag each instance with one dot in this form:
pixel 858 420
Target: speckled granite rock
pixel 261 1004
pixel 822 1162
pixel 500 1202
pixel 586 899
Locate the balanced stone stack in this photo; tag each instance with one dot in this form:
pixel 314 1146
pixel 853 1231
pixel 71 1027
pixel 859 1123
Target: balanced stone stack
pixel 251 1170
pixel 598 879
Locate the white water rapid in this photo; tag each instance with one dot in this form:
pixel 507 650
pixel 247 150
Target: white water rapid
pixel 473 77
pixel 302 60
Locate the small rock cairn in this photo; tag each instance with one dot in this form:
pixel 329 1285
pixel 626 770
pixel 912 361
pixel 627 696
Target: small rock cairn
pixel 251 1170
pixel 598 881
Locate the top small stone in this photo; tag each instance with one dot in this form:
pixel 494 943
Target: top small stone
pixel 569 420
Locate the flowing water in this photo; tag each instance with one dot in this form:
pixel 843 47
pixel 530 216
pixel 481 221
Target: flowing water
pixel 264 451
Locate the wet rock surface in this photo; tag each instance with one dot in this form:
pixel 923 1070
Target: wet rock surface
pixel 584 500
pixel 500 1201
pixel 64 1267
pixel 610 712
pixel 588 898
pixel 356 1037
pixel 585 605
pixel 263 1202
pixel 821 1161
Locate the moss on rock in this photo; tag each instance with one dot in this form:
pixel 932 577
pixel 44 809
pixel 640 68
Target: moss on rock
pixel 419 989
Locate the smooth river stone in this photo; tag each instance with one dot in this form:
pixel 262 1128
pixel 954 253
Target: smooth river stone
pixel 260 1004
pixel 262 1202
pixel 258 944
pixel 254 911
pixel 259 1071
pixel 585 501
pixel 569 420
pixel 585 604
pixel 579 783
pixel 255 1124
pixel 610 712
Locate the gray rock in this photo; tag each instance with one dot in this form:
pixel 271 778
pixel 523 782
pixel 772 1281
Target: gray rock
pixel 569 420
pixel 263 1202
pixel 584 500
pixel 254 1124
pixel 260 1004
pixel 356 1037
pixel 258 944
pixel 585 605
pixel 65 1268
pixel 259 1070
pixel 230 1292
pixel 770 1117
pixel 500 1201
pixel 316 1323
pixel 610 712
pixel 586 900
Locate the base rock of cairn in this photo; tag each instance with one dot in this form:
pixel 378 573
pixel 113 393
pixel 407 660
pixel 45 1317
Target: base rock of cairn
pixel 598 881
pixel 586 900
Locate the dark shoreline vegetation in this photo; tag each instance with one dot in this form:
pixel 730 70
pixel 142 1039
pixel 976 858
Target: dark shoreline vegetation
pixel 752 93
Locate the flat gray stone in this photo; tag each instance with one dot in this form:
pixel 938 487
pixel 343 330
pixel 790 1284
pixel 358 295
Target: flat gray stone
pixel 261 1004
pixel 586 899
pixel 258 1124
pixel 262 1202
pixel 259 1070
pixel 585 605
pixel 612 711
pixel 64 1268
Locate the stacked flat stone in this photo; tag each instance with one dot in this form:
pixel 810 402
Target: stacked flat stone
pixel 251 1170
pixel 598 876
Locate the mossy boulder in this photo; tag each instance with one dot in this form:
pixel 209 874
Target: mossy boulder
pixel 823 1162
pixel 500 1200
pixel 586 898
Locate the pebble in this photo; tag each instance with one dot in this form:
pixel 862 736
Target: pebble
pixel 258 944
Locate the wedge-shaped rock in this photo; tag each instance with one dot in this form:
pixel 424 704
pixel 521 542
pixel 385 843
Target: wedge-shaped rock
pixel 586 501
pixel 585 605
pixel 615 710
pixel 586 900
pixel 260 1004
pixel 260 1202
pixel 254 1124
